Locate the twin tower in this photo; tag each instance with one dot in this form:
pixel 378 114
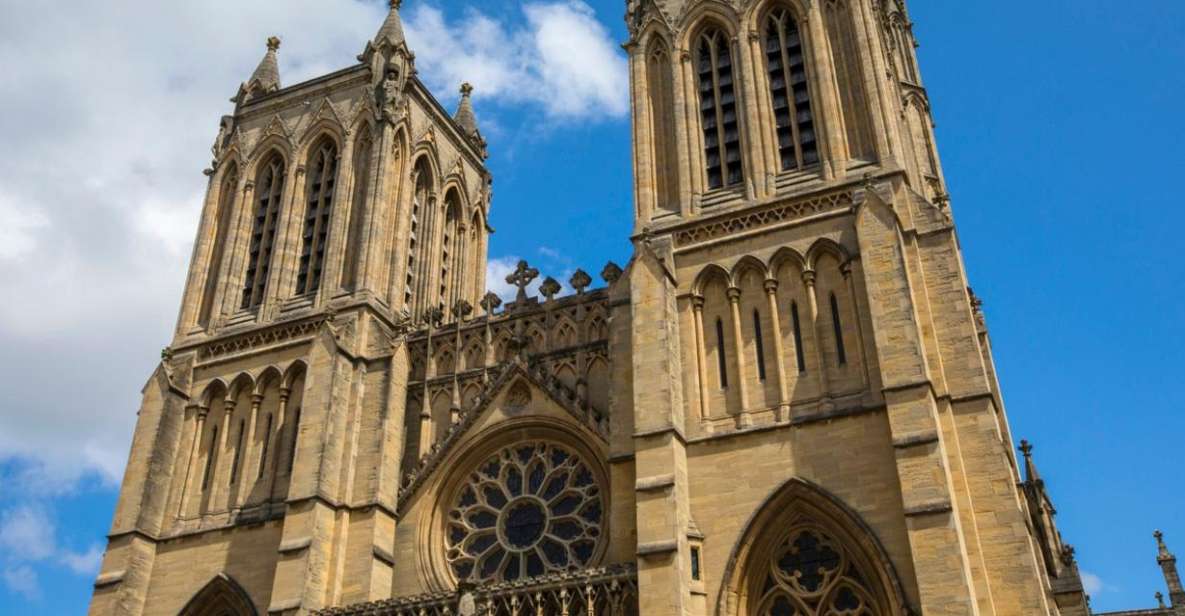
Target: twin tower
pixel 784 404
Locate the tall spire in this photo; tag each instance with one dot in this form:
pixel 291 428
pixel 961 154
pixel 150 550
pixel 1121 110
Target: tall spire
pixel 391 32
pixel 266 78
pixel 1168 565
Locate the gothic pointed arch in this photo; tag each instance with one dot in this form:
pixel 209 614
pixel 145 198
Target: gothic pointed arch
pixel 269 188
pixel 228 190
pixel 789 76
pixel 222 596
pixel 660 80
pixel 715 62
pixel 847 58
pixel 321 199
pixel 806 552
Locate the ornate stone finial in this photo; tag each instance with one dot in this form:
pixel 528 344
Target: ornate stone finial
pixel 266 78
pixel 433 317
pixel 166 353
pixel 1026 448
pixel 549 288
pixel 580 281
pixel 461 310
pixel 1162 550
pixel 522 276
pixel 1160 600
pixel 466 89
pixel 490 302
pixel 394 4
pixel 611 273
pixel 273 43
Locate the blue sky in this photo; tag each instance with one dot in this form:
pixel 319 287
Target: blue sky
pixel 1058 126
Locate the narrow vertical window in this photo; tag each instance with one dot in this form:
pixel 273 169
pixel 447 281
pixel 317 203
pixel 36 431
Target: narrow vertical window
pixel 295 437
pixel 267 439
pixel 358 210
pixel 695 572
pixel 318 212
pixel 447 248
pixel 234 465
pixel 718 110
pixel 211 460
pixel 760 345
pixel 789 91
pixel 721 361
pixel 838 325
pixel 268 190
pixel 226 199
pixel 799 354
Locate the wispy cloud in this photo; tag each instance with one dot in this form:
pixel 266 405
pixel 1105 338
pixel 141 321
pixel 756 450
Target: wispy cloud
pixel 558 57
pixel 28 536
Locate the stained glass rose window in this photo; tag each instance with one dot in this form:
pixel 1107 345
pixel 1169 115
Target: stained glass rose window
pixel 527 510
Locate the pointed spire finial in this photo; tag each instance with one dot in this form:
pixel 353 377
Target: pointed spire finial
pixel 466 89
pixel 1026 448
pixel 1160 600
pixel 266 78
pixel 273 43
pixel 465 117
pixel 391 31
pixel 1031 474
pixel 1161 549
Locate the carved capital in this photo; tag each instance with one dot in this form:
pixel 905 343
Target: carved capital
pixel 697 303
pixel 734 294
pixel 285 392
pixel 808 277
pixel 771 286
pixel 256 400
pixel 846 269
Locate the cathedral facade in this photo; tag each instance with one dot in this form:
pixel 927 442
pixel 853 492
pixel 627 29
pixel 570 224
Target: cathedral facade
pixel 784 404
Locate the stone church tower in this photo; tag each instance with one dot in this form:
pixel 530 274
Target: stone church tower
pixel 785 404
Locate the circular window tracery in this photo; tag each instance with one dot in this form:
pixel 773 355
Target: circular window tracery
pixel 527 510
pixel 811 574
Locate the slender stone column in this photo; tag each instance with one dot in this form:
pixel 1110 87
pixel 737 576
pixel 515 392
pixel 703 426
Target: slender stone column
pixel 756 166
pixel 246 468
pixel 846 269
pixel 734 303
pixel 216 480
pixel 808 279
pixel 771 295
pixel 701 355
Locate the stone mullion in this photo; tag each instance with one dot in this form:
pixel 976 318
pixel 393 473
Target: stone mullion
pixel 426 436
pixel 734 304
pixel 750 142
pixel 771 295
pixel 200 413
pixel 817 333
pixel 871 69
pixel 339 230
pixel 834 136
pixel 643 135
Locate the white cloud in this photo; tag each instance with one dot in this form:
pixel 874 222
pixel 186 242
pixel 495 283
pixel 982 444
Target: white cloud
pixel 1095 585
pixel 84 563
pixel 113 107
pixel 26 534
pixel 561 59
pixel 22 580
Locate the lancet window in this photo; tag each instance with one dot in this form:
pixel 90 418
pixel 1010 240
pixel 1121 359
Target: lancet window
pixel 845 51
pixel 318 213
pixel 718 110
pixel 790 91
pixel 358 209
pixel 268 192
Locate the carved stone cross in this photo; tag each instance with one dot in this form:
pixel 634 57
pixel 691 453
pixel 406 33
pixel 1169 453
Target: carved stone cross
pixel 522 276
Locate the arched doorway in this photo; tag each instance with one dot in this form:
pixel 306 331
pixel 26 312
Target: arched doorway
pixel 221 597
pixel 804 553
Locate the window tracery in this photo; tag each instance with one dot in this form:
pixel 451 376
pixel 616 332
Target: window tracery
pixel 527 510
pixel 270 187
pixel 718 110
pixel 318 212
pixel 812 574
pixel 790 91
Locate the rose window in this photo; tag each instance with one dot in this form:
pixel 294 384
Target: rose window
pixel 812 575
pixel 525 511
